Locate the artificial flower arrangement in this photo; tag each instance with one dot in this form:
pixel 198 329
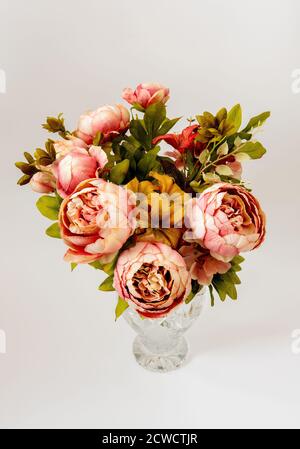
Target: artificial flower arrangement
pixel 161 223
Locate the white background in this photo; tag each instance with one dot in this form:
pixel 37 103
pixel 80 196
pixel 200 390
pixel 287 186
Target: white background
pixel 67 363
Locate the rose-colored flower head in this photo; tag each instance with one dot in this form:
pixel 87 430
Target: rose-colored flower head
pixel 227 220
pixel 64 146
pixel 77 166
pixel 109 120
pixel 43 182
pixel 94 221
pixel 146 94
pixel 152 278
pixel 201 264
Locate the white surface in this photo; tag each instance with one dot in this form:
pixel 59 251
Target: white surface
pixel 67 363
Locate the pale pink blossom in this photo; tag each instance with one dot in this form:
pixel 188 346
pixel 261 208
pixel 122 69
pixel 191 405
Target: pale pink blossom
pixel 64 146
pixel 109 120
pixel 227 220
pixel 43 182
pixel 94 221
pixel 152 278
pixel 146 94
pixel 201 264
pixel 77 166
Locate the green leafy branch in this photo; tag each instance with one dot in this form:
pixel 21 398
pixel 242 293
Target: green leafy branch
pixel 225 284
pixel 56 125
pixel 33 164
pixel 224 140
pixel 49 207
pixel 154 123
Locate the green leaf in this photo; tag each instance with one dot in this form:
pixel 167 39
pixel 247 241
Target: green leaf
pixel 148 162
pixel 108 268
pixel 168 125
pixel 121 307
pixel 28 157
pixel 204 156
pixel 97 265
pixel 25 179
pixel 48 206
pixel 107 285
pixel 211 293
pixel 223 149
pixel 224 170
pixel 255 150
pixel 239 259
pixel 55 125
pixel 73 266
pixel 97 139
pixel 27 169
pixel 235 117
pixel 138 107
pixel 221 115
pixel 54 231
pixel 230 288
pixel 232 277
pixel 198 187
pixel 119 172
pixel 139 133
pixel 235 263
pixel 190 298
pixel 257 121
pixel 154 117
pixel 196 288
pixel 220 287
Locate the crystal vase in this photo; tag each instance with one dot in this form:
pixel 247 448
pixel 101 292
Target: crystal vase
pixel 160 344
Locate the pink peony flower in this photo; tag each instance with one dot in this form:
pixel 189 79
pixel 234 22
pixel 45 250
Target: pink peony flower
pixel 94 221
pixel 77 166
pixel 43 182
pixel 146 94
pixel 201 264
pixel 109 120
pixel 152 278
pixel 227 220
pixel 64 146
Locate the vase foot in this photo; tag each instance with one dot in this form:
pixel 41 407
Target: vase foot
pixel 160 362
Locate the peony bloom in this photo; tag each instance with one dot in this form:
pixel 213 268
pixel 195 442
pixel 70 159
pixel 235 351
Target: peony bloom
pixel 152 278
pixel 64 146
pixel 201 264
pixel 77 166
pixel 146 94
pixel 227 220
pixel 109 120
pixel 43 182
pixel 94 221
pixel 160 209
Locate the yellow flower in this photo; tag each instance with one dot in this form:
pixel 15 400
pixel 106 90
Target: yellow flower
pixel 161 209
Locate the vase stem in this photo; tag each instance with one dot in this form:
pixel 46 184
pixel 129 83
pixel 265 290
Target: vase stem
pixel 160 357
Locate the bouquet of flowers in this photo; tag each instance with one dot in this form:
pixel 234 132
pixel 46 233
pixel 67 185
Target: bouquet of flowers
pixel 162 214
